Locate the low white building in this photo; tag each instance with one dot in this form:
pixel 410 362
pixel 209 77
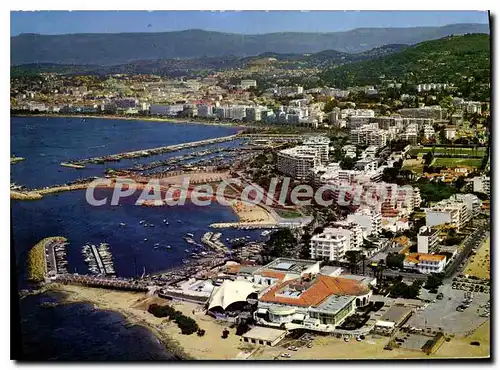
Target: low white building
pixel 317 303
pixel 425 263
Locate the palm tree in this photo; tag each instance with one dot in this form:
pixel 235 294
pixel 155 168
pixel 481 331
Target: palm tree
pixel 363 259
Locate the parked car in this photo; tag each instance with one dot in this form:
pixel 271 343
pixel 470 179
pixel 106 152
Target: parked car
pixel 292 348
pixel 285 355
pixel 440 296
pixel 309 345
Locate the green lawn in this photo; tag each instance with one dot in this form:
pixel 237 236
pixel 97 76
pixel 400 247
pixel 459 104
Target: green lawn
pixel 287 213
pixel 456 162
pixel 478 151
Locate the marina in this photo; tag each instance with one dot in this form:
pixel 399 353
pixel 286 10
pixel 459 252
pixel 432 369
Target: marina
pixel 99 260
pixel 150 152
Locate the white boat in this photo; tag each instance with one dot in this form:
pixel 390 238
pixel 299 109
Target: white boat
pixel 190 235
pixel 145 239
pixel 123 224
pixel 168 247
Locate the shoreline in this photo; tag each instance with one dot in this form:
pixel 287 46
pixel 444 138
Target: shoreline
pixel 133 307
pixel 71 296
pixel 146 118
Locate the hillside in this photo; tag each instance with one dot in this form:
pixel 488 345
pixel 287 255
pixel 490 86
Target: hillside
pixel 193 66
pixel 451 59
pixel 109 49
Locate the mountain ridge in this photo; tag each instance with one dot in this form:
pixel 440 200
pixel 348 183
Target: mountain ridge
pixel 119 48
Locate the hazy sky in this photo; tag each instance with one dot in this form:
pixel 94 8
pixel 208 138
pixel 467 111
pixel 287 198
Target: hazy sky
pixel 61 22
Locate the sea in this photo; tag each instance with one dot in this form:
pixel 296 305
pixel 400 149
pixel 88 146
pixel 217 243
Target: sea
pixel 78 331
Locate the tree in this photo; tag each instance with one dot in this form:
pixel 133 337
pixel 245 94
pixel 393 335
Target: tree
pixel 329 105
pixel 433 282
pixel 353 257
pixel 280 244
pixel 459 183
pixel 394 260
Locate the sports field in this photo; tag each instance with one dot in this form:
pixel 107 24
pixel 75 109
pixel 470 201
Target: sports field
pixel 456 162
pixel 449 150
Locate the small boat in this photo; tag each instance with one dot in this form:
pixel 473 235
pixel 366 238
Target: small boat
pixel 123 224
pixel 190 235
pixel 165 221
pixel 157 244
pixel 179 221
pixel 142 221
pixel 168 247
pixel 151 225
pixel 155 247
pixel 145 239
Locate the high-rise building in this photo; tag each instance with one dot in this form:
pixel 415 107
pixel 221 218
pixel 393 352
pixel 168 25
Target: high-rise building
pixel 298 161
pixel 322 144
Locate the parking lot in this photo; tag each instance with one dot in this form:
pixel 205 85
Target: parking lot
pixel 443 314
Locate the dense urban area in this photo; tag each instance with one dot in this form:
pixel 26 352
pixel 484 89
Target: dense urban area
pixel 397 140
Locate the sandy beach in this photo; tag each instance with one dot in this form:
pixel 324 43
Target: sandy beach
pixel 134 307
pixel 479 265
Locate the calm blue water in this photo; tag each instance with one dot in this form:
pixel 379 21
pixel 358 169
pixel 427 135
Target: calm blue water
pixel 46 142
pixel 79 331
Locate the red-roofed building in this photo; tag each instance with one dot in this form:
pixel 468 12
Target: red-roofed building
pixel 318 303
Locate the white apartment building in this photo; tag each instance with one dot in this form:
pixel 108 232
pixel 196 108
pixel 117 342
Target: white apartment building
pixel 254 114
pixel 350 112
pixel 435 112
pixel 370 152
pixel 290 90
pixel 378 138
pixel 205 110
pixel 447 211
pixel 297 162
pixel 367 164
pixel 427 239
pixel 165 110
pixel 333 243
pixel 429 132
pixel 245 84
pixel 386 123
pixel 472 202
pixel 450 132
pixel 322 144
pixel 411 134
pixel 481 184
pixel 369 220
pixel 425 263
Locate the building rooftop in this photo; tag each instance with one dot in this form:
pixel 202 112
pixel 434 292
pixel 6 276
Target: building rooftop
pixel 396 314
pixel 334 303
pixel 287 265
pixel 301 292
pixel 262 333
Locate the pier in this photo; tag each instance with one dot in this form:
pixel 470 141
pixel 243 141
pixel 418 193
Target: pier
pixel 98 260
pixel 150 152
pixel 102 282
pixel 14 160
